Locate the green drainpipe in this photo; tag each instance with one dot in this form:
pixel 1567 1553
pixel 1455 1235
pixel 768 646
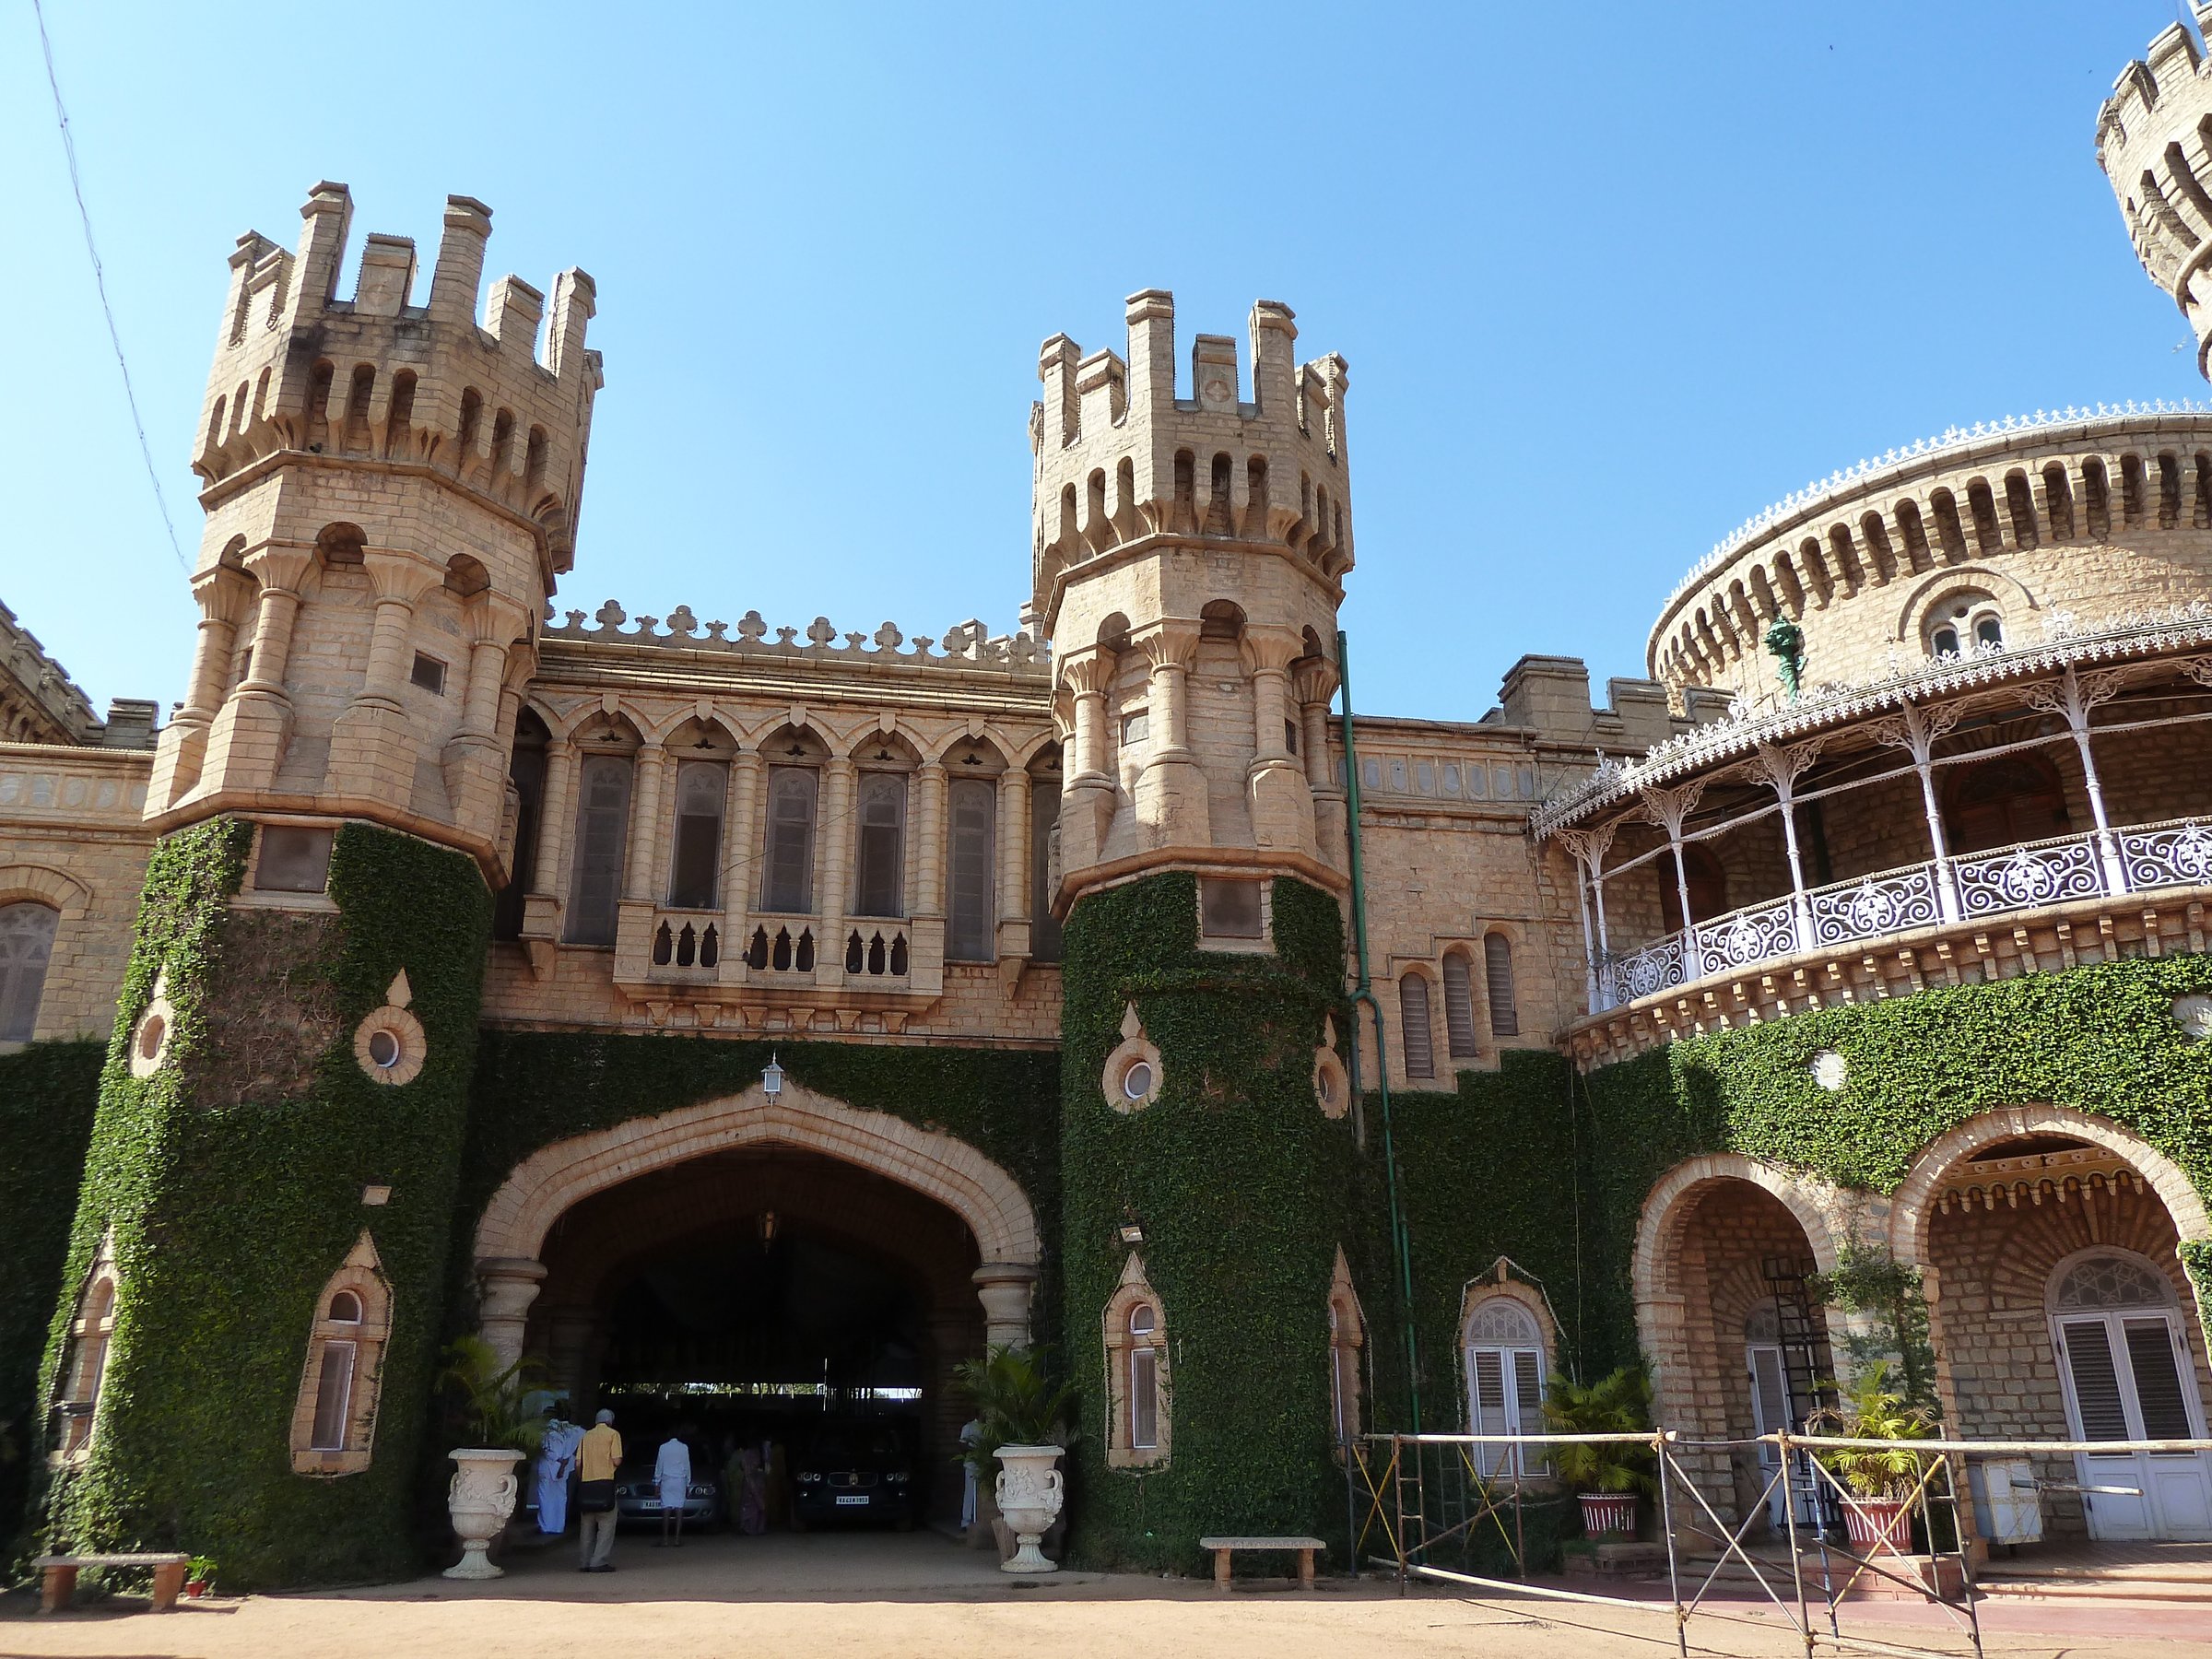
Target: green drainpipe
pixel 1401 1242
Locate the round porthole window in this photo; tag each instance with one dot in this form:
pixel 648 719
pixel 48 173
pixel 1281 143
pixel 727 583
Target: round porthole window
pixel 390 1045
pixel 1136 1081
pixel 149 1038
pixel 1829 1070
pixel 1332 1086
pixel 152 1030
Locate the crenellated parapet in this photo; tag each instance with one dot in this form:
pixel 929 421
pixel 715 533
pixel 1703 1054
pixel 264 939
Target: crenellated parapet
pixel 1121 456
pixel 963 645
pixel 2153 141
pixel 383 380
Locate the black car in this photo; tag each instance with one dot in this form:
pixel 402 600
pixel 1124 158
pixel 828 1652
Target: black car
pixel 854 1472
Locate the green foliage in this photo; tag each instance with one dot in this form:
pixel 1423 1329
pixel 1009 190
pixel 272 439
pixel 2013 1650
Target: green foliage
pixel 48 1091
pixel 1239 1184
pixel 1617 1403
pixel 1017 1402
pixel 498 1412
pixel 1870 1409
pixel 229 1207
pixel 1868 1281
pixel 200 1569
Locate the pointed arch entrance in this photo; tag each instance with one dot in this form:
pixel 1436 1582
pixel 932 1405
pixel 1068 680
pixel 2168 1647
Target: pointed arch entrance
pixel 716 1261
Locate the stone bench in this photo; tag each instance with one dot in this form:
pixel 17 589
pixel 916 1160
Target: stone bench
pixel 58 1576
pixel 1225 1550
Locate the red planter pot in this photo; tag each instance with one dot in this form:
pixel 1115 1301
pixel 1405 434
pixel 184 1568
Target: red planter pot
pixel 1609 1514
pixel 1878 1522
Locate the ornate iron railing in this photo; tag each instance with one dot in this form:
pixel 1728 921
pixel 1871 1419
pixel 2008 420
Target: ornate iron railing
pixel 2175 854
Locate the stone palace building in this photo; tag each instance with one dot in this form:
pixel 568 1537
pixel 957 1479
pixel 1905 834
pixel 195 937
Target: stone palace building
pixel 731 1015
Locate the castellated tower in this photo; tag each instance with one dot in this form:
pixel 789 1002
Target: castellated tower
pixel 2153 141
pixel 391 489
pixel 1190 555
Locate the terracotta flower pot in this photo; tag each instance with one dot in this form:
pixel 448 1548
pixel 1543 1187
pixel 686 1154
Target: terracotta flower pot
pixel 1878 1522
pixel 195 1588
pixel 1608 1514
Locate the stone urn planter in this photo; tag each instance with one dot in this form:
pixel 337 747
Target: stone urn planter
pixel 1608 1514
pixel 480 1500
pixel 1029 1486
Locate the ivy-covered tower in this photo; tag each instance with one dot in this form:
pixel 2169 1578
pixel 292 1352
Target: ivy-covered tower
pixel 247 1334
pixel 1190 552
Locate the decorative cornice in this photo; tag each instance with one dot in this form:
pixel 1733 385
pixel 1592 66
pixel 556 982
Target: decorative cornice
pixel 966 645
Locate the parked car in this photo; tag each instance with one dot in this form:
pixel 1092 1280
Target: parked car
pixel 854 1472
pixel 638 1497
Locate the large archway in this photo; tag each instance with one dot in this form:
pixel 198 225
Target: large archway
pixel 752 1268
pixel 2048 1243
pixel 1738 1343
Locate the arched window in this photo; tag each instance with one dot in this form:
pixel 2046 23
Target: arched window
pixel 1708 888
pixel 878 889
pixel 968 925
pixel 1459 1005
pixel 26 946
pixel 602 836
pixel 2000 802
pixel 695 869
pixel 1137 1373
pixel 1413 1020
pixel 84 1360
pixel 1504 1349
pixel 1497 980
pixel 334 1419
pixel 787 882
pixel 1959 623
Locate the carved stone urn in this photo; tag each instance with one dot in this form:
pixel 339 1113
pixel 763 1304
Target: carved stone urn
pixel 480 1500
pixel 1029 1498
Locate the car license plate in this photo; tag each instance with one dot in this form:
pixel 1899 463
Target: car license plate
pixel 852 1497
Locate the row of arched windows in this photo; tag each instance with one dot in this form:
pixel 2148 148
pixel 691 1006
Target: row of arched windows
pixel 1416 1030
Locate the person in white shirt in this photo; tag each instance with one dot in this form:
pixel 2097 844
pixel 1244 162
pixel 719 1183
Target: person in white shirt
pixel 555 1457
pixel 672 1474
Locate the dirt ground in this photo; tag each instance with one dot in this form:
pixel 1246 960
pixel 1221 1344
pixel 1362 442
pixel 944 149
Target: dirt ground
pixel 889 1597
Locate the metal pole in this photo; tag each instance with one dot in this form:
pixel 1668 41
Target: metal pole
pixel 1401 1243
pixel 1666 1525
pixel 1789 1513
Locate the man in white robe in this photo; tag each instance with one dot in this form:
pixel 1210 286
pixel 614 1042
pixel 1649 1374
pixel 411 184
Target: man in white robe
pixel 556 1458
pixel 672 1474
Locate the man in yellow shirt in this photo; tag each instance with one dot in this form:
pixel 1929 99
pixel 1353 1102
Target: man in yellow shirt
pixel 597 1460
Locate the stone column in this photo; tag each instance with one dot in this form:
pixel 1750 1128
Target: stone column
pixel 553 827
pixel 741 844
pixel 373 746
pixel 645 826
pixel 833 864
pixel 929 837
pixel 246 744
pixel 475 760
pixel 506 1287
pixel 1087 799
pixel 1314 680
pixel 1013 863
pixel 1005 1289
pixel 1171 806
pixel 1276 788
pixel 223 595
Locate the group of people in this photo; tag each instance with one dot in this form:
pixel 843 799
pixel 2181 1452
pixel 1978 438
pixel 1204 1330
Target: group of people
pixel 755 1477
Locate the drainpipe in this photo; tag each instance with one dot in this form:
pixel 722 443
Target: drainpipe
pixel 1364 991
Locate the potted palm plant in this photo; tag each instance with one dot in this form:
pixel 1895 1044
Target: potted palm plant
pixel 1022 1421
pixel 1884 1481
pixel 1607 1475
pixel 495 1404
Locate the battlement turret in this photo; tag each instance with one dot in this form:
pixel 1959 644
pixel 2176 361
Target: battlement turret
pixel 1121 457
pixel 1190 558
pixel 2153 141
pixel 382 378
pixel 391 490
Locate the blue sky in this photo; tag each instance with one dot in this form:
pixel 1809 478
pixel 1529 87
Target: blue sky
pixel 1609 279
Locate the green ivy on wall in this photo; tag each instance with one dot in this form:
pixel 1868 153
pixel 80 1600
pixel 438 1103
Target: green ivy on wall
pixel 1237 1182
pixel 48 1091
pixel 231 1193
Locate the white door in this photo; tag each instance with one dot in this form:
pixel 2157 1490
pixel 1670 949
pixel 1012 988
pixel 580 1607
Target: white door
pixel 1769 1413
pixel 2127 1374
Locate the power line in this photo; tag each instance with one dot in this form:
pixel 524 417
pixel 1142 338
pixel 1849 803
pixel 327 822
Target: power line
pixel 100 279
